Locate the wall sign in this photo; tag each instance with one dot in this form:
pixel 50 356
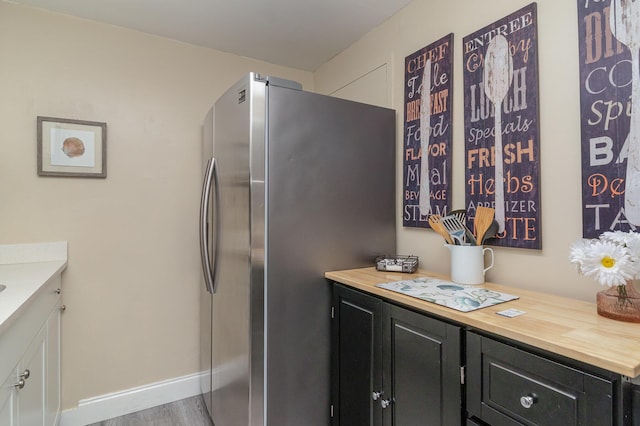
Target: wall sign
pixel 427 132
pixel 610 128
pixel 501 126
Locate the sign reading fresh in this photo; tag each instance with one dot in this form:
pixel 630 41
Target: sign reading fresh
pixel 501 126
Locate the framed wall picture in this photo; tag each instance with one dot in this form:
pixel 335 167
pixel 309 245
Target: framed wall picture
pixel 428 95
pixel 501 127
pixel 72 148
pixel 610 134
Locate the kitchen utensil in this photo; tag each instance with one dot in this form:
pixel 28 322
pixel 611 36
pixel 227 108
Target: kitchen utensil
pixel 467 264
pixel 461 214
pixel 424 200
pixel 491 231
pixel 452 225
pixel 498 75
pixel 434 222
pixel 624 20
pixel 482 221
pixel 457 230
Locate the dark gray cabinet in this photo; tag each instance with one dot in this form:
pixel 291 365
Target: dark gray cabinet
pixel 507 385
pixel 357 358
pixel 393 366
pixel 635 404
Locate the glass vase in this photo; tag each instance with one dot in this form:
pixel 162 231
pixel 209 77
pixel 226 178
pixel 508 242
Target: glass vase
pixel 620 303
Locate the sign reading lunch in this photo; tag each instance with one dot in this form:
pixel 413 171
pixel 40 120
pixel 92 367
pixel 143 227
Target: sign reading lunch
pixel 501 127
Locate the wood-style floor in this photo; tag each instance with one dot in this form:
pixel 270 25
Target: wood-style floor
pixel 187 412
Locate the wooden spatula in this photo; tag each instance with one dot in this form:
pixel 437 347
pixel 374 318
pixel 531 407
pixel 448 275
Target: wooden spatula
pixel 434 221
pixel 482 221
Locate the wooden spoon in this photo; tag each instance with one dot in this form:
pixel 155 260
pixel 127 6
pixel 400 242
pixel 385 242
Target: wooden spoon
pixel 482 221
pixel 436 225
pixel 498 75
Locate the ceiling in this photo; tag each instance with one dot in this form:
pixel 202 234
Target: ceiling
pixel 301 34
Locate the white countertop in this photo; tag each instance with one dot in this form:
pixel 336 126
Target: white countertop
pixel 24 269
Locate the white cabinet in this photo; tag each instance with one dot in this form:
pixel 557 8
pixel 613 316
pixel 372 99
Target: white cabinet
pixel 8 401
pixel 30 362
pixel 30 383
pixel 52 367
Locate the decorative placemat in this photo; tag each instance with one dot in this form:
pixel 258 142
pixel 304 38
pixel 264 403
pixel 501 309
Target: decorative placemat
pixel 464 298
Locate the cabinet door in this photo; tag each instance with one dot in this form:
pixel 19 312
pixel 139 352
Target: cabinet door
pixel 422 360
pixel 635 405
pixel 8 400
pixel 357 358
pixel 31 396
pixel 52 371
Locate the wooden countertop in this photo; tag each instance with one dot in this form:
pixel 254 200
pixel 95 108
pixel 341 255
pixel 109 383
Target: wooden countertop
pixel 560 325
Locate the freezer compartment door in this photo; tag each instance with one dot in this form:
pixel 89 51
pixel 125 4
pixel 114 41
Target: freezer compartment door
pixel 239 118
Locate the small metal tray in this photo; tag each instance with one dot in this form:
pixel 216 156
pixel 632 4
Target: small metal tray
pixel 397 263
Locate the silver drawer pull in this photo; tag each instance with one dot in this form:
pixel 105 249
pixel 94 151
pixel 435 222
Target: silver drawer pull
pixel 26 374
pixel 528 401
pixel 376 395
pixel 384 403
pixel 20 384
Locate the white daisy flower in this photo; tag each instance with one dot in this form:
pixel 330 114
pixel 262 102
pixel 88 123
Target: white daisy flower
pixel 623 238
pixel 630 240
pixel 577 252
pixel 613 259
pixel 609 263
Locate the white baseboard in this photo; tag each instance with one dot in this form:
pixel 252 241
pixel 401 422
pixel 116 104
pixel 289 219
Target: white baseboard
pixel 100 408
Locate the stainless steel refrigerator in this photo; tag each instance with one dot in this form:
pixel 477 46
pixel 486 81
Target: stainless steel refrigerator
pixel 295 184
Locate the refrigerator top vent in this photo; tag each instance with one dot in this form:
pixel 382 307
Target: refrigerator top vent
pixel 279 82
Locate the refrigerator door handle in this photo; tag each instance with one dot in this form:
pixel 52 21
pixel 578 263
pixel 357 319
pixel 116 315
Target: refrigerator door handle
pixel 210 178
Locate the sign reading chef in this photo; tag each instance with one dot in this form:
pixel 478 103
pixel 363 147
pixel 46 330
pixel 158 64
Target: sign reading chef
pixel 427 133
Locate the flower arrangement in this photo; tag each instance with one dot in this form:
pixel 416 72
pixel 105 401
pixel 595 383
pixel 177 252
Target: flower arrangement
pixel 613 259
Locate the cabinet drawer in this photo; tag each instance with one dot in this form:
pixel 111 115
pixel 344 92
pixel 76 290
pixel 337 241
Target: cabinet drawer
pixel 510 386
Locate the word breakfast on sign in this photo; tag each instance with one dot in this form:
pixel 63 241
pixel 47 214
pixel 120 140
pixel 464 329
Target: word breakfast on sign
pixel 439 97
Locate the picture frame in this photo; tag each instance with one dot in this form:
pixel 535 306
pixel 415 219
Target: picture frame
pixel 71 148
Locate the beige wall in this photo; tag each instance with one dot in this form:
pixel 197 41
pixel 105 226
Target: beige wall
pixel 133 278
pixel 425 21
